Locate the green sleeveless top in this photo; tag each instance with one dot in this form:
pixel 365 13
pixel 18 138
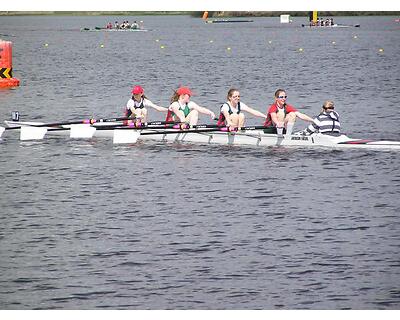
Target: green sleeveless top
pixel 185 110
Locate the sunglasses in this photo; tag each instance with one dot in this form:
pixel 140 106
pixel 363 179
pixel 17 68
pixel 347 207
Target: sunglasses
pixel 282 97
pixel 235 96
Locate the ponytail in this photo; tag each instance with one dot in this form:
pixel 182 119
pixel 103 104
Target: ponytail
pixel 175 97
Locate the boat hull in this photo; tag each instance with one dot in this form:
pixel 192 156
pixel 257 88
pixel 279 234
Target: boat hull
pixel 112 30
pixel 249 137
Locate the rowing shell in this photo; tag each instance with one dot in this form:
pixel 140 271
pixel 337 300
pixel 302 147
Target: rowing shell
pixel 246 137
pixel 331 26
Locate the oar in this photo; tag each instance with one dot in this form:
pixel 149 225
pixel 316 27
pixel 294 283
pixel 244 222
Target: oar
pixel 130 136
pixel 87 130
pixel 150 125
pixel 122 135
pixel 39 134
pixel 144 125
pixel 62 123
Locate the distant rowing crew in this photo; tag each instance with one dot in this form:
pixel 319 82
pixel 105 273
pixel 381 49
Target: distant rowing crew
pixel 280 117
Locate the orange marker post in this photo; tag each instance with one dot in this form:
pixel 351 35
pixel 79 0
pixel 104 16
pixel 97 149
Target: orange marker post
pixel 6 79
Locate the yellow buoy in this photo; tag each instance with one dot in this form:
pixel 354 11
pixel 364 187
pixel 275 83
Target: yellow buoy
pixel 229 48
pixel 300 49
pixel 381 50
pixel 269 41
pixel 102 46
pixel 162 47
pixel 355 37
pixel 46 44
pixel 333 42
pixel 211 41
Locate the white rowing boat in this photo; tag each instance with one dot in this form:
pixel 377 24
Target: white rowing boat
pixel 202 134
pixel 330 26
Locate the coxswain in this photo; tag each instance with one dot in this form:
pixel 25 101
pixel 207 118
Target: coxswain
pixel 327 122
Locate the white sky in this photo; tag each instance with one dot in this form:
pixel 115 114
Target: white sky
pixel 199 5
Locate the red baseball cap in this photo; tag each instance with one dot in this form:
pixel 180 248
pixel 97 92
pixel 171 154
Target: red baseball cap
pixel 184 90
pixel 137 90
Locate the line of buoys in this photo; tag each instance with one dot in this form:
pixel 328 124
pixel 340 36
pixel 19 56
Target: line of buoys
pixel 6 78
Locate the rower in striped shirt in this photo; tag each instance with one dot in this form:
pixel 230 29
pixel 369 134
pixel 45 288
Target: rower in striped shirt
pixel 327 122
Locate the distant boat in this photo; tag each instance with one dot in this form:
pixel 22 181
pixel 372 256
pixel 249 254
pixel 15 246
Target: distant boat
pixel 113 29
pixel 227 20
pixel 331 26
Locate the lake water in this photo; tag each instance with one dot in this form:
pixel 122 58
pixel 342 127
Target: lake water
pixel 90 225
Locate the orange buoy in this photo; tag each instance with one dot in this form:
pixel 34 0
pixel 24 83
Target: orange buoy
pixel 6 79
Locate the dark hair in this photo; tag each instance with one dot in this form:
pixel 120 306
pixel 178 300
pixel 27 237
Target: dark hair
pixel 230 92
pixel 277 92
pixel 142 96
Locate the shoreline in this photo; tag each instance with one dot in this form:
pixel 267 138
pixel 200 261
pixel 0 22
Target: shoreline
pixel 196 14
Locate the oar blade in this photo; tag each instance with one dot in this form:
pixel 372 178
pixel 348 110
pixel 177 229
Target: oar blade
pixel 2 129
pixel 79 131
pixel 32 133
pixel 125 136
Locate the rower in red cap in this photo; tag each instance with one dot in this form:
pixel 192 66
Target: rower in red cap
pixel 136 106
pixel 184 110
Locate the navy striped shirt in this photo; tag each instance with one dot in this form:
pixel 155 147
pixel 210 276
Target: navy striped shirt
pixel 325 123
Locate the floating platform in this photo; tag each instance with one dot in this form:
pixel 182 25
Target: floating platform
pixel 227 20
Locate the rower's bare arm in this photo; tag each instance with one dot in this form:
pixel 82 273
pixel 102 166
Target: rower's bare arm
pixel 274 118
pixel 161 109
pixel 254 112
pixel 203 110
pixel 304 117
pixel 158 108
pixel 227 118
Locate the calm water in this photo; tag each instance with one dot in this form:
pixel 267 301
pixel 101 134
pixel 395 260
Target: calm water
pixel 86 224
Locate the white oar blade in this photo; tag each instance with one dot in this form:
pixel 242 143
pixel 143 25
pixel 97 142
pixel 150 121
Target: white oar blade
pixel 1 131
pixel 32 133
pixel 82 131
pixel 125 136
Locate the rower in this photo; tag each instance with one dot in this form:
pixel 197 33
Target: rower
pixel 184 110
pixel 134 25
pixel 231 114
pixel 137 104
pixel 327 122
pixel 282 115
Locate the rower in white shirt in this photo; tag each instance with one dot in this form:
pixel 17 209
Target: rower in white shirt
pixel 136 106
